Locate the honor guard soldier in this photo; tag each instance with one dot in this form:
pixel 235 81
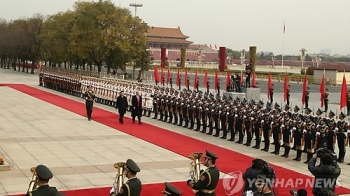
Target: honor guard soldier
pixel 298 136
pixel 271 93
pixel 133 186
pixel 341 131
pixel 266 126
pixel 170 190
pixel 320 139
pixel 44 175
pixel 288 94
pixel 239 124
pixel 286 129
pixel 309 134
pixel 348 102
pixel 276 131
pixel 331 135
pixel 325 100
pixel 257 129
pixel 208 179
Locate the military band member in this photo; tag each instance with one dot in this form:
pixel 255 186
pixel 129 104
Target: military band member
pixel 133 186
pixel 170 190
pixel 89 101
pixel 209 178
pixel 271 93
pixel 341 132
pixel 307 92
pixel 325 100
pixel 44 175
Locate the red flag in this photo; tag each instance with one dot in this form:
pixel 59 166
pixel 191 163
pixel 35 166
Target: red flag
pixel 241 77
pixel 322 90
pixel 205 77
pixel 155 74
pixel 216 80
pixel 162 77
pixel 304 89
pixel 254 80
pixel 228 80
pixel 186 79
pixel 285 87
pixel 168 76
pixel 178 78
pixel 195 80
pixel 343 95
pixel 269 85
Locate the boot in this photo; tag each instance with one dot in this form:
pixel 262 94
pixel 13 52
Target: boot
pixel 341 157
pixel 233 134
pixel 287 148
pixel 308 157
pixel 275 151
pixel 257 144
pixel 285 151
pixel 144 112
pixel 149 113
pixel 267 146
pixel 298 158
pixel 278 146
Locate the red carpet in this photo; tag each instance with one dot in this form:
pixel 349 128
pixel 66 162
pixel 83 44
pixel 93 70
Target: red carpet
pixel 229 161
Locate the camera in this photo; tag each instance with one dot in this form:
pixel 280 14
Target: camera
pixel 268 171
pixel 293 192
pixel 322 151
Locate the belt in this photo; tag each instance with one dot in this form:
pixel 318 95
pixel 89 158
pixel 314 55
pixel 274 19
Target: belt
pixel 207 191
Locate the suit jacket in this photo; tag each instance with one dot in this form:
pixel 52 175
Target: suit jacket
pixel 122 104
pixel 136 106
pixel 44 191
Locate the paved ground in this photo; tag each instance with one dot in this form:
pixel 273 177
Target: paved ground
pixel 81 153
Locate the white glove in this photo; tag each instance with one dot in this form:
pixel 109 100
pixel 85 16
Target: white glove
pixel 219 112
pixel 228 113
pixel 348 131
pixel 251 118
pixel 317 126
pixel 167 100
pixel 318 133
pixel 207 109
pixel 271 123
pixel 336 128
pixel 291 130
pixel 282 126
pixel 294 128
pixel 212 110
pixel 281 142
pixel 194 106
pixel 182 103
pixel 200 108
pixel 304 123
pixel 304 131
pixel 294 121
pixel 112 190
pixel 171 102
pixel 236 115
pixel 262 121
pixel 244 116
pixel 177 102
pixel 188 105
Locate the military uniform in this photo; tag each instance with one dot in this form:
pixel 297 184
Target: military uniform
pixel 208 181
pixel 133 186
pixel 170 190
pixel 44 174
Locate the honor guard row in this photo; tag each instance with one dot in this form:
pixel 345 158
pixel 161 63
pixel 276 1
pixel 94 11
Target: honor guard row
pixel 227 118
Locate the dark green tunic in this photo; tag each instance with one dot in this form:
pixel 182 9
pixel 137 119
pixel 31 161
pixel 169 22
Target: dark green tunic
pixel 207 183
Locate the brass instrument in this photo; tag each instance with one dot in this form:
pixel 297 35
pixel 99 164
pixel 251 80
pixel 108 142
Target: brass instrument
pixel 33 183
pixel 119 178
pixel 195 166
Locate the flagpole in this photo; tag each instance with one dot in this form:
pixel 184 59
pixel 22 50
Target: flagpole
pixel 284 32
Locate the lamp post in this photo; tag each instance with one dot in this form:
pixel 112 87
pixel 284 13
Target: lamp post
pixel 302 57
pixel 135 5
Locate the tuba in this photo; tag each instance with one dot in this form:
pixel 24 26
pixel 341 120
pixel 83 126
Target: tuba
pixel 33 184
pixel 119 178
pixel 195 165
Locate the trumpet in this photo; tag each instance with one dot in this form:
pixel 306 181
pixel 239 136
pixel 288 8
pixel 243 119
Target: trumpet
pixel 33 183
pixel 195 166
pixel 119 178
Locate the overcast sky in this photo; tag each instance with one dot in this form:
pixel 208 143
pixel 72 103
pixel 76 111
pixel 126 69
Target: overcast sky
pixel 310 24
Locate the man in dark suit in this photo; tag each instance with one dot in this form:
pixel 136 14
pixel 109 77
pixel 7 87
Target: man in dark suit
pixel 122 105
pixel 133 186
pixel 136 102
pixel 44 175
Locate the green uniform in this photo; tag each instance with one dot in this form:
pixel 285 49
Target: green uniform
pixel 44 190
pixel 131 188
pixel 207 183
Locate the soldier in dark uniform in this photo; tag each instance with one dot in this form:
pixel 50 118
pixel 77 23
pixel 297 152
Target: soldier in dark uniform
pixel 171 109
pixel 180 108
pixel 175 109
pixel 198 114
pixel 257 129
pixel 133 186
pixel 325 100
pixel 321 139
pixel 276 131
pixel 218 86
pixel 295 115
pixel 211 112
pixel 216 117
pixel 288 94
pixel 188 82
pixel 156 102
pixel 171 81
pixel 209 178
pixel 43 176
pixel 330 135
pixel 89 103
pixel 341 131
pixel 248 124
pixel 271 93
pixel 239 125
pixel 204 116
pixel 208 86
pixel 307 92
pixel 309 134
pixel 231 122
pixel 223 119
pixel 266 126
pixel 286 133
pixel 170 190
pixel 186 107
pixel 298 134
pixel 191 114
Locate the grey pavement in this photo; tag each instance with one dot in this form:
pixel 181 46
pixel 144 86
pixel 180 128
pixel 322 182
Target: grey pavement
pixel 33 132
